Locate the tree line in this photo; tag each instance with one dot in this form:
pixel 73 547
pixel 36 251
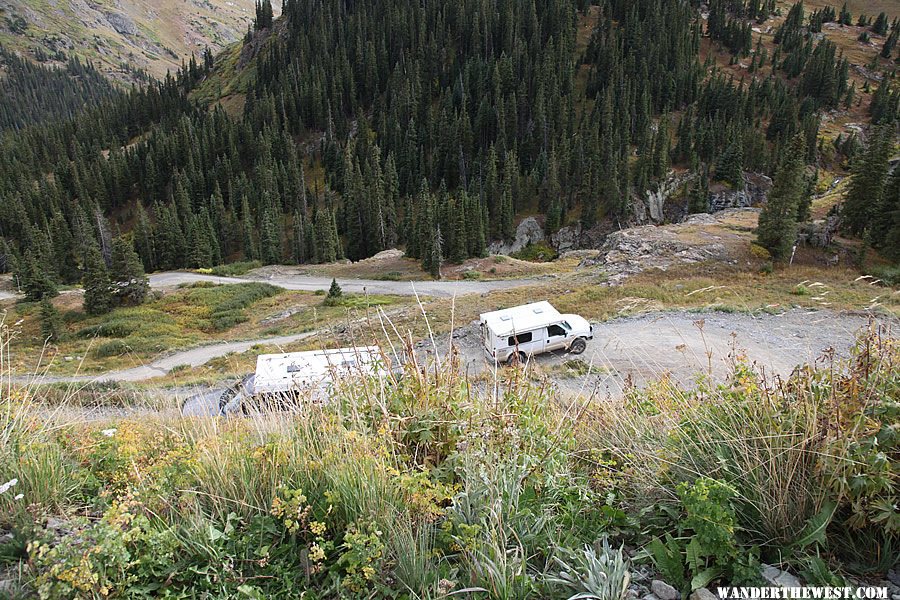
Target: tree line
pixel 430 125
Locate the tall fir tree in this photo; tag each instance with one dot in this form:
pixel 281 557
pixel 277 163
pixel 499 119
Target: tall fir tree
pixel 869 174
pixel 126 272
pixel 98 294
pixel 777 230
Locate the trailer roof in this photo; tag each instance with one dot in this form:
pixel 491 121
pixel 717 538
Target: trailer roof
pixel 520 318
pixel 284 372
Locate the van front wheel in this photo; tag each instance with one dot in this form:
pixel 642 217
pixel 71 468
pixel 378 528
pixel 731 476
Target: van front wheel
pixel 578 346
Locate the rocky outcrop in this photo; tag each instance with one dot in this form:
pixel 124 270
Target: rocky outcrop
pixel 651 208
pixel 698 239
pixel 528 232
pixel 819 233
pixel 755 192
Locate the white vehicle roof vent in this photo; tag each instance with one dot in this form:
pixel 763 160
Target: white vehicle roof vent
pixel 538 310
pixel 506 318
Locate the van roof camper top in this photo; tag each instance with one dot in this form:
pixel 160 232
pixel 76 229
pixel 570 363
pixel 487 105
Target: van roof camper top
pixel 520 318
pixel 276 373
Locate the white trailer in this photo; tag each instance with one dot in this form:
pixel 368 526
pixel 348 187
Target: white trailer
pixel 292 379
pixel 515 334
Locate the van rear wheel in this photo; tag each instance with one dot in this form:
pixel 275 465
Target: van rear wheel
pixel 578 346
pixel 516 358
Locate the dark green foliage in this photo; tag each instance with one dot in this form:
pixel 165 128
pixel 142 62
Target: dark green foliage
pixel 864 204
pixel 98 292
pixel 440 123
pixel 51 321
pixel 31 93
pixel 335 294
pixel 845 18
pixel 33 277
pixel 264 15
pixel 880 26
pixel 698 198
pixel 129 283
pixel 887 233
pixel 777 229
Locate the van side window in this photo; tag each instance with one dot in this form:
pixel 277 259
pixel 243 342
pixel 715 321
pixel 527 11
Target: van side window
pixel 556 331
pixel 522 338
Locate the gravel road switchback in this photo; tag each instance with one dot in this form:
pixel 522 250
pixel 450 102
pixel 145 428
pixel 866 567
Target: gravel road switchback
pixel 684 344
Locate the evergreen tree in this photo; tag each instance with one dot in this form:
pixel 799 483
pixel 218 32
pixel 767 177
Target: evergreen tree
pixel 335 294
pixel 129 282
pixel 698 200
pixel 869 174
pixel 143 239
pixel 64 250
pixel 98 294
pixel 33 278
pixel 889 236
pixel 51 322
pixel 777 230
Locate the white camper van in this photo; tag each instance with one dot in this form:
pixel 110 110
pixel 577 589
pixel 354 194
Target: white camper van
pixel 288 381
pixel 515 334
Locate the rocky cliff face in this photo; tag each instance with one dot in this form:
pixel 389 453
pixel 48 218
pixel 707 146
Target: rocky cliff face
pixel 755 192
pixel 655 207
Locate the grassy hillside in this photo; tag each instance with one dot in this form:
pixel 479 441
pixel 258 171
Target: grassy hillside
pixel 439 487
pixel 120 37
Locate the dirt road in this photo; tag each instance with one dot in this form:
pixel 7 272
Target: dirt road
pixel 642 348
pixel 444 289
pixel 161 366
pixel 686 344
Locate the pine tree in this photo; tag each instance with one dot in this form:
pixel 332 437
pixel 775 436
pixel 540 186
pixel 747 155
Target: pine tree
pixel 777 230
pixel 698 201
pixel 248 229
pixel 335 294
pixel 33 278
pixel 98 295
pixel 890 240
pixel 64 250
pixel 51 322
pixel 867 183
pixel 143 239
pixel 129 282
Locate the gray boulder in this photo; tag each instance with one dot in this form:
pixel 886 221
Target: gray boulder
pixel 528 232
pixel 664 591
pixel 777 578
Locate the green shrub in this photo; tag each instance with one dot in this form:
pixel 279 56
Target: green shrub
pixel 389 276
pixel 889 275
pixel 235 269
pixel 539 252
pixel 472 275
pixel 114 328
pixel 113 348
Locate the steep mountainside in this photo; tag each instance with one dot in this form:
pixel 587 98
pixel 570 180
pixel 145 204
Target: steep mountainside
pixel 123 36
pixel 351 127
pixel 31 93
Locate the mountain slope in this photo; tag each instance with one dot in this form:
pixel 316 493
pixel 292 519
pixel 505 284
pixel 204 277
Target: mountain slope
pixel 123 36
